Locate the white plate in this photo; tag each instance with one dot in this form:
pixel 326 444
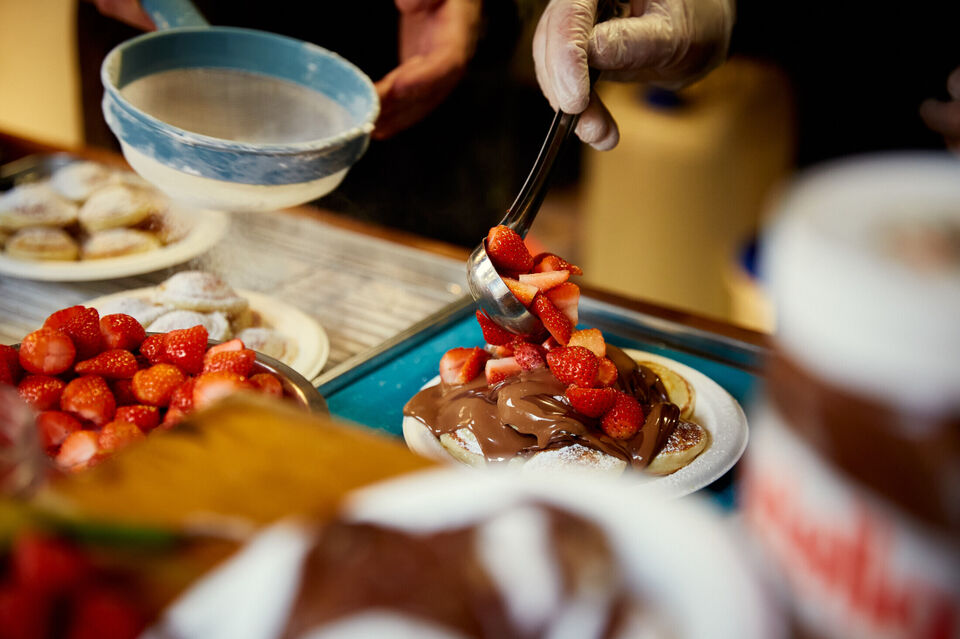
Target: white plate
pixel 312 343
pixel 207 228
pixel 716 411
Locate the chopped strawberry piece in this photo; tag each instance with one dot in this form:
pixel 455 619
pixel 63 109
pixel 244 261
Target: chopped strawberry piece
pixel 493 333
pixel 550 343
pixel 498 370
pixel 545 281
pixel 10 371
pixel 473 365
pixel 590 338
pixel 523 292
pixel 24 613
pixel 123 392
pixel 54 427
pixel 461 365
pixel 89 398
pixel 118 434
pixel 607 374
pixel 47 351
pixel 79 450
pixel 121 331
pixel 625 419
pixel 43 392
pixel 499 351
pixel 592 402
pixel 529 356
pixel 555 322
pixel 146 418
pixel 182 397
pixel 112 364
pixel 267 383
pixel 211 387
pixel 102 611
pixel 47 565
pixel 81 325
pixel 507 250
pixel 152 348
pixel 185 348
pixel 544 262
pixel 154 386
pixel 173 417
pixel 574 365
pixel 240 362
pixel 231 345
pixel 566 298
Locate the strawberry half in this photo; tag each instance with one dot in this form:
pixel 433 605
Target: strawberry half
pixel 154 386
pixel 523 292
pixel 121 331
pixel 81 325
pixel 54 427
pixel 230 345
pixel 10 371
pixel 47 351
pixel 118 434
pixel 152 348
pixel 182 397
pixel 498 370
pixel 211 387
pixel 79 450
pixel 590 338
pixel 544 262
pixel 461 365
pixel 507 250
pixel 122 390
pixel 239 362
pixel 493 333
pixel 625 419
pixel 42 392
pixel 574 365
pixel 545 281
pixel 146 418
pixel 592 402
pixel 529 356
pixel 607 374
pixel 566 298
pixel 267 383
pixel 113 364
pixel 185 348
pixel 89 398
pixel 553 320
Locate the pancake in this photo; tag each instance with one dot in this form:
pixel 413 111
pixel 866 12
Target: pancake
pixel 118 206
pixel 267 341
pixel 42 244
pixel 32 205
pixel 78 180
pixel 200 291
pixel 117 242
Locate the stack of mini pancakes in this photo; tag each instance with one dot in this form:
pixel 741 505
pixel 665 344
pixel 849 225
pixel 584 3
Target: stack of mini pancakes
pixel 86 211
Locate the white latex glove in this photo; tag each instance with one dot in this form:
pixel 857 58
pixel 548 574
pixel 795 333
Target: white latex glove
pixel 666 42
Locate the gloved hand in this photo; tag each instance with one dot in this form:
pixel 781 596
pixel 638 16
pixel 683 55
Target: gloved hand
pixel 944 117
pixel 666 42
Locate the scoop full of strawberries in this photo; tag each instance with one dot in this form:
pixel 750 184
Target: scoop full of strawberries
pixel 100 383
pixel 576 358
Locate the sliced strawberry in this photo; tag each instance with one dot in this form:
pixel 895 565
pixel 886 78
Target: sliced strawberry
pixel 123 392
pixel 146 418
pixel 452 363
pixel 173 417
pixel 240 362
pixel 154 386
pixel 79 450
pixel 89 398
pixel 10 371
pixel 493 333
pixel 47 565
pixel 607 374
pixel 118 434
pixel 101 611
pixel 267 383
pixel 47 351
pixel 523 292
pixel 473 365
pixel 550 343
pixel 545 281
pixel 498 370
pixel 566 298
pixel 185 348
pixel 152 348
pixel 555 322
pixel 41 391
pixel 182 397
pixel 81 325
pixel 544 262
pixel 574 365
pixel 529 356
pixel 231 345
pixel 211 387
pixel 625 419
pixel 590 338
pixel 592 402
pixel 112 364
pixel 54 427
pixel 507 250
pixel 121 331
pixel 499 351
pixel 24 613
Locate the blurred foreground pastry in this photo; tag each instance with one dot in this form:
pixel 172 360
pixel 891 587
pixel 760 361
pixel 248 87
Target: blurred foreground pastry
pixel 35 205
pixel 42 244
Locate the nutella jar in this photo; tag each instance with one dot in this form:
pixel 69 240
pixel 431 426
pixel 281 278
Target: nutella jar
pixel 851 483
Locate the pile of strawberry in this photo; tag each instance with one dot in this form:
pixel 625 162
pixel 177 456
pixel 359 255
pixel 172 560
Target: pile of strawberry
pixel 577 358
pixel 100 383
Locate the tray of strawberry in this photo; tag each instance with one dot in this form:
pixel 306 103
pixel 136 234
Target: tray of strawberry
pixel 98 384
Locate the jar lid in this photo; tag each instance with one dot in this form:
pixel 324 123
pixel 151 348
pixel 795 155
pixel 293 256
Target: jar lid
pixel 862 263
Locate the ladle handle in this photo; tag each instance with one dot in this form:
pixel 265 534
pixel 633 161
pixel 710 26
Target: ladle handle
pixel 170 14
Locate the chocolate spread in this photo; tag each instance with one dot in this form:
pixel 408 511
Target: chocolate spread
pixel 526 414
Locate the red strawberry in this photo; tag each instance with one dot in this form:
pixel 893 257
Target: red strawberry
pixel 81 325
pixel 154 386
pixel 118 434
pixel 574 365
pixel 173 417
pixel 123 392
pixel 607 374
pixel 625 419
pixel 507 250
pixel 47 565
pixel 121 331
pixel 523 292
pixel 102 611
pixel 460 365
pixel 41 391
pixel 240 362
pixel 474 364
pixel 89 398
pixel 54 426
pixel 267 383
pixel 231 345
pixel 182 397
pixel 493 333
pixel 592 402
pixel 185 348
pixel 498 370
pixel 566 298
pixel 152 348
pixel 211 387
pixel 113 364
pixel 79 450
pixel 146 418
pixel 47 351
pixel 499 351
pixel 24 613
pixel 545 281
pixel 550 343
pixel 554 321
pixel 590 338
pixel 10 371
pixel 529 356
pixel 544 262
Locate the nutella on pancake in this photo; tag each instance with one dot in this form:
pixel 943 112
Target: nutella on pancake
pixel 851 484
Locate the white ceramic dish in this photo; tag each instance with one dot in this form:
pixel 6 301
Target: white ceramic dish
pixel 207 228
pixel 716 411
pixel 312 343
